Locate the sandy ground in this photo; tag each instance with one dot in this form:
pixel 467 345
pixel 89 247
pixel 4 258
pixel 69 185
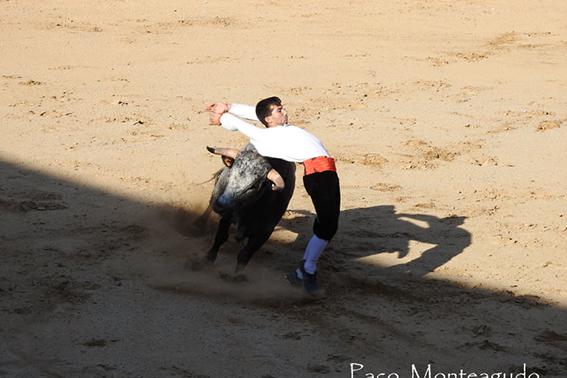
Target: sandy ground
pixel 448 120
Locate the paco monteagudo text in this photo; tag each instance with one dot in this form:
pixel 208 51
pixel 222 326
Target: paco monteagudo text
pixel 359 371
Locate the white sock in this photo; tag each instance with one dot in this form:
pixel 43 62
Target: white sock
pixel 312 253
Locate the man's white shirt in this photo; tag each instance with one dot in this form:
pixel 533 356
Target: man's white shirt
pixel 285 142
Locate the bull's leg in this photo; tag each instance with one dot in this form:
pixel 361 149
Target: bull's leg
pixel 254 243
pixel 220 237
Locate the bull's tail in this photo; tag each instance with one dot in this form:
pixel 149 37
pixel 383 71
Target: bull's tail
pixel 215 177
pixel 201 221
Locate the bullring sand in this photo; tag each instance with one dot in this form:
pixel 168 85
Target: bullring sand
pixel 448 121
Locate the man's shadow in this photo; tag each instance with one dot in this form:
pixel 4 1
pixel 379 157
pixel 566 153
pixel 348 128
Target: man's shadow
pixel 375 230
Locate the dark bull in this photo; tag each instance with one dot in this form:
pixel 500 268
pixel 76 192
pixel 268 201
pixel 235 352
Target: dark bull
pixel 253 193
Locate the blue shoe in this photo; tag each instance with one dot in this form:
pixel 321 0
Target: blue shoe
pixel 310 282
pixel 294 279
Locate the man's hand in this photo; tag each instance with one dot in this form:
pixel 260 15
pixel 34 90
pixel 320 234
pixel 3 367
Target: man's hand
pixel 214 118
pixel 217 107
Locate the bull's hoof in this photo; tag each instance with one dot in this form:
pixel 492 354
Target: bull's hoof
pixel 211 257
pixel 235 278
pixel 239 268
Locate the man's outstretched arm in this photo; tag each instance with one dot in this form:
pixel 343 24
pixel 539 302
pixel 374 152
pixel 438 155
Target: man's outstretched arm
pixel 243 111
pixel 233 123
pixel 240 110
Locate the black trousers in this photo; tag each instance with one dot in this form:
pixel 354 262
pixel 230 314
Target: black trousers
pixel 324 190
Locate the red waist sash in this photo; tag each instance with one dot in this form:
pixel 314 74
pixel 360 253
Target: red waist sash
pixel 319 164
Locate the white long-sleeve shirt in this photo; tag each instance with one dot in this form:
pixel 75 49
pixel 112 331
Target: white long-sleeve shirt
pixel 285 142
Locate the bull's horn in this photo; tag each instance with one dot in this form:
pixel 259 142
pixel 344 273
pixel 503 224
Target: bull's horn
pixel 276 179
pixel 230 152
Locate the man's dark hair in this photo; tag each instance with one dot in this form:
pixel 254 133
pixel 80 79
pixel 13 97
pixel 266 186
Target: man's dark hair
pixel 264 108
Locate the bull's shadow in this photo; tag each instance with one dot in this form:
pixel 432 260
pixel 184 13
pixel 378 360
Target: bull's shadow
pixel 380 229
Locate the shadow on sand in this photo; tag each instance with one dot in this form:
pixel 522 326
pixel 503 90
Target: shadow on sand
pixel 379 229
pixel 64 243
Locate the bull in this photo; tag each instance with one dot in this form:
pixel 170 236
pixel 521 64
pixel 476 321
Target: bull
pixel 252 192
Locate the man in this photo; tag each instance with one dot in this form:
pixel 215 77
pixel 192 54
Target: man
pixel 291 143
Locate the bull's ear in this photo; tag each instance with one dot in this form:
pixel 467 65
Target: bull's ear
pixel 228 161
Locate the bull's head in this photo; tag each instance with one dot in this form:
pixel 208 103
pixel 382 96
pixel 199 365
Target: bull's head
pixel 247 175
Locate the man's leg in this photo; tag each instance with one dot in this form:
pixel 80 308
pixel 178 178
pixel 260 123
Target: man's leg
pixel 323 188
pixel 313 251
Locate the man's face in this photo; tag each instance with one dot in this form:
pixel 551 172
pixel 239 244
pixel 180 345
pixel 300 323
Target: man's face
pixel 278 116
